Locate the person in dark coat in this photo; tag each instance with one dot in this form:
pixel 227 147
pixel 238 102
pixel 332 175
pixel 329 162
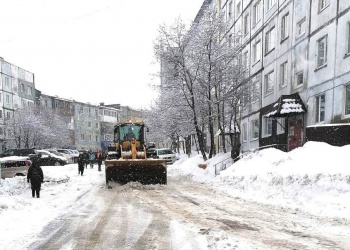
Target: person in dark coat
pixel 86 158
pixel 35 176
pixel 99 158
pixel 81 162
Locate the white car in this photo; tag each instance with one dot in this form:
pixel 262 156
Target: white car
pixel 166 154
pixel 71 156
pixel 67 156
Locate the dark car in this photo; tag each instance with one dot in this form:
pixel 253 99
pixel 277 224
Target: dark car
pixel 49 159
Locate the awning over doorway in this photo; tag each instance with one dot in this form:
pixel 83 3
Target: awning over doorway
pixel 285 106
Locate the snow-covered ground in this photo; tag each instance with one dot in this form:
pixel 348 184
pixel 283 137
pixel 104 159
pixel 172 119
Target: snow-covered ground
pixel 314 178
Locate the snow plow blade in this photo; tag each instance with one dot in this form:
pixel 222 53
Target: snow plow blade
pixel 145 171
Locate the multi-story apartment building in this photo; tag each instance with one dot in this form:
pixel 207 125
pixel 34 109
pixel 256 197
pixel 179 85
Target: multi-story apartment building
pixel 110 115
pixel 296 55
pixel 87 126
pixel 17 89
pixel 64 108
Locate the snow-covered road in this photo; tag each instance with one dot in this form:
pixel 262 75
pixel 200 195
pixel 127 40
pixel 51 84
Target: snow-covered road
pixel 194 211
pixel 184 215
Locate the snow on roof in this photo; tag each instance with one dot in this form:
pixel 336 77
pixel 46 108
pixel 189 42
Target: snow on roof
pixel 285 105
pixel 291 106
pixel 13 158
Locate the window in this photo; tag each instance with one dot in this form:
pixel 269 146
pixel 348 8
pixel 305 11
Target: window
pixel 270 3
pixel 8 115
pixel 7 81
pixel 270 40
pixel 238 8
pixel 89 124
pixel 96 138
pixel 347 100
pixel 246 25
pixel 96 125
pixel 244 132
pixel 322 51
pixel 320 108
pixel 7 99
pixel 0 97
pixel 283 74
pixel 82 137
pixel 300 78
pixel 255 91
pixel 284 27
pixel 29 90
pixel 245 61
pixel 322 4
pixel 269 82
pixel 301 27
pixel 281 125
pixel 254 129
pixel 89 111
pixel 96 113
pixel 230 10
pixel 256 12
pixel 267 127
pixel 0 113
pixel 256 52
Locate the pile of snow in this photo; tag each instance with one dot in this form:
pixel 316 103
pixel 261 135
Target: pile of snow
pixel 314 178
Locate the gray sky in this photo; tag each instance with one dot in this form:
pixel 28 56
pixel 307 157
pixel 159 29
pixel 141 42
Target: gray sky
pixel 89 50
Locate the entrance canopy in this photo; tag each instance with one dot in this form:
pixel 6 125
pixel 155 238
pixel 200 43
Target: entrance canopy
pixel 285 106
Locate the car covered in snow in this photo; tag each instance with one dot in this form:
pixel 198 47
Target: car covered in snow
pixel 12 166
pixel 50 159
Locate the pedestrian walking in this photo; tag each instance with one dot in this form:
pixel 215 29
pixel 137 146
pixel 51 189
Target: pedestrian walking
pixel 99 158
pixel 92 159
pixel 35 176
pixel 86 158
pixel 81 162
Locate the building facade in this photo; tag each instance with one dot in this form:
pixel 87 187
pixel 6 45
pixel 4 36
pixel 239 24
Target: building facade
pixel 297 60
pixel 110 116
pixel 17 90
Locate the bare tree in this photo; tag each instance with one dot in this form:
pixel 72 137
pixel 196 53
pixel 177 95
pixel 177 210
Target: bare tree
pixel 203 67
pixel 33 127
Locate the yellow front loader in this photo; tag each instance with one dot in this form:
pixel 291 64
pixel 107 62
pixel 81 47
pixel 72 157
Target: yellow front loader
pixel 127 159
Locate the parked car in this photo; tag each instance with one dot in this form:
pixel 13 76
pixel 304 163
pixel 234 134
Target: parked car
pixel 54 151
pixel 50 159
pixel 75 154
pixel 14 162
pixel 166 154
pixel 12 166
pixel 71 157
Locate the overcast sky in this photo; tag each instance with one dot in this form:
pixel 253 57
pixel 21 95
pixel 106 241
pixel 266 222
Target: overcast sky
pixel 89 50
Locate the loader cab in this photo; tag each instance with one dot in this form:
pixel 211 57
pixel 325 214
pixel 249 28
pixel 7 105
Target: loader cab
pixel 125 132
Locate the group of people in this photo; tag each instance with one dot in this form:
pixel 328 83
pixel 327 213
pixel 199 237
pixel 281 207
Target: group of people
pixel 89 158
pixel 35 175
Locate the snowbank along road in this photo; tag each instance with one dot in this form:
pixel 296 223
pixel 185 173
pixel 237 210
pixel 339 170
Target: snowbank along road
pixel 184 215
